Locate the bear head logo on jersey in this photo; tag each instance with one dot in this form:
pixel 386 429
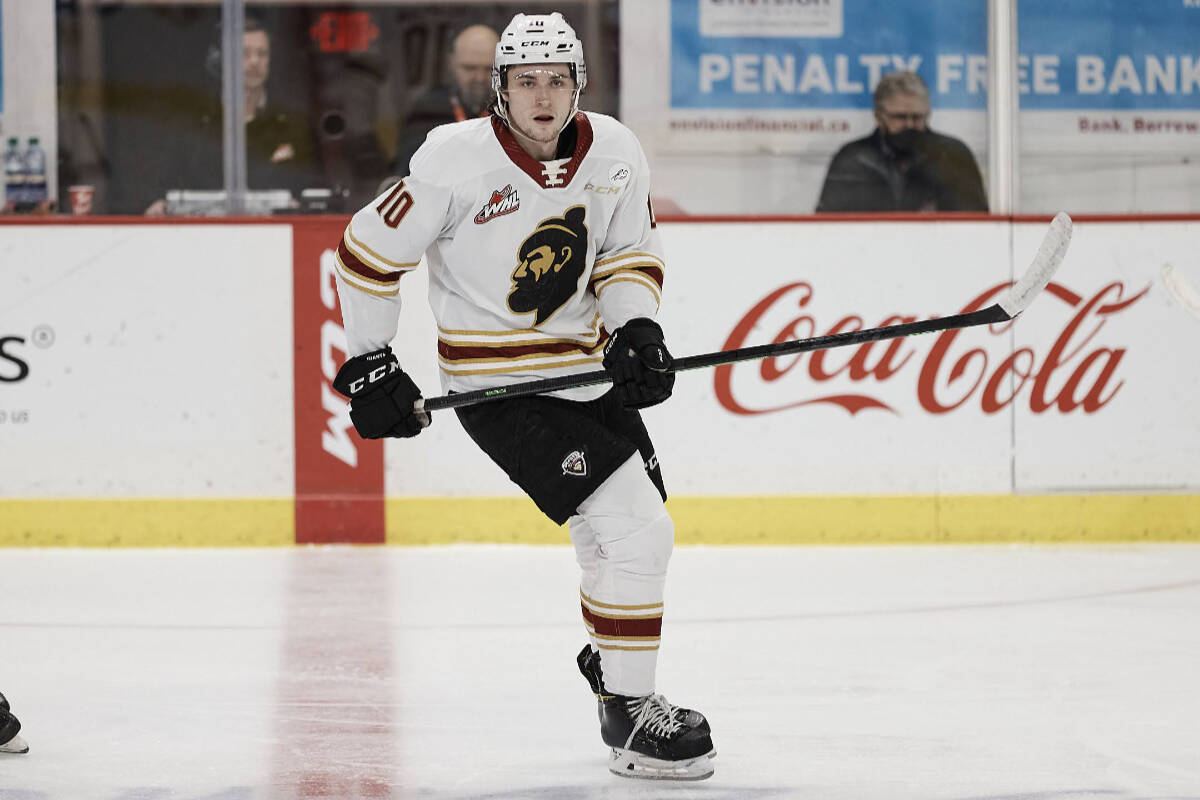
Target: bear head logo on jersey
pixel 549 263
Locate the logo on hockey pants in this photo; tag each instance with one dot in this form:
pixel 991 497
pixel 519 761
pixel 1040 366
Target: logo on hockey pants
pixel 575 464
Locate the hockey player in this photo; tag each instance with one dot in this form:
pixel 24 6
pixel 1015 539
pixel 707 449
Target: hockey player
pixel 543 260
pixel 10 726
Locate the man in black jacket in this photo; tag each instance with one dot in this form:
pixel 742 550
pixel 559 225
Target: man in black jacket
pixel 280 148
pixel 466 96
pixel 902 165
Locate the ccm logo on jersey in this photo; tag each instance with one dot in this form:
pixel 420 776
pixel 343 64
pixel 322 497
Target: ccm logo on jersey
pixel 503 201
pixel 591 187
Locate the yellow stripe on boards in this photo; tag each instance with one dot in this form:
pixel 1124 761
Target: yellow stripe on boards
pixel 914 519
pixel 776 520
pixel 934 519
pixel 447 520
pixel 147 523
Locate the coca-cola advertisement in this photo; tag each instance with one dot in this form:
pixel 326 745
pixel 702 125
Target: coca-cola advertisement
pixel 1091 389
pixel 1061 399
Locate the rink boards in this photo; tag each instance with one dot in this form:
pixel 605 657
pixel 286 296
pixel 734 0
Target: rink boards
pixel 170 384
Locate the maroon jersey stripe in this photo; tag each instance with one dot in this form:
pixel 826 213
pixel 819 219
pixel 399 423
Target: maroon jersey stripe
pixel 358 267
pixel 452 352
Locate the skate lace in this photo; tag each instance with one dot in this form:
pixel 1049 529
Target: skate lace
pixel 656 715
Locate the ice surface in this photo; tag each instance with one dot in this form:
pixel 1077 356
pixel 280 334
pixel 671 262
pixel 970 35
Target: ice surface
pixel 930 673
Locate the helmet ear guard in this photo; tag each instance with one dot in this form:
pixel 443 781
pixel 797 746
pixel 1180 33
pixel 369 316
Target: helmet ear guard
pixel 537 39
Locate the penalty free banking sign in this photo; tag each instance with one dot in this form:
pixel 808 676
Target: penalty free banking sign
pixel 803 72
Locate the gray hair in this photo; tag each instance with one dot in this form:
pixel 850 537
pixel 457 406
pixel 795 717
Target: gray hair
pixel 900 83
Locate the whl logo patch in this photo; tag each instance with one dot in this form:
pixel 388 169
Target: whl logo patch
pixel 503 201
pixel 575 465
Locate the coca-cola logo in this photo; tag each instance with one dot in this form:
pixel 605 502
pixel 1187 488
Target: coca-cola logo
pixel 948 370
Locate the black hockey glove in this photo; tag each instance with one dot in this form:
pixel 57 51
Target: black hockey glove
pixel 638 361
pixel 381 396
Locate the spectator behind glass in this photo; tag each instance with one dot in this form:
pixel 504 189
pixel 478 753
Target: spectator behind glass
pixel 280 152
pixel 902 165
pixel 465 97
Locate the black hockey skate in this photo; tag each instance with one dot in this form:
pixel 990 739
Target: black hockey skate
pixel 589 664
pixel 648 741
pixel 649 737
pixel 10 742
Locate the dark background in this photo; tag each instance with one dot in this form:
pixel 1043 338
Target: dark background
pixel 134 78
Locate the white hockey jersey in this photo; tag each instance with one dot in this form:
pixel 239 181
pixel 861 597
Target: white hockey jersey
pixel 531 263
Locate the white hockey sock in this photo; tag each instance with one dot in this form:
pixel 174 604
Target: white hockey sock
pixel 623 544
pixel 587 555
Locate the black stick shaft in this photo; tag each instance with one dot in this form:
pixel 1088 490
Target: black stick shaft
pixel 985 316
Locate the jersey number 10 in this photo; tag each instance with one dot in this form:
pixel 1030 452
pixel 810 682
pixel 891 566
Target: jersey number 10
pixel 393 207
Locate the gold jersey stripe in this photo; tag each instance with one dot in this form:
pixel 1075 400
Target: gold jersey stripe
pixel 620 647
pixel 658 262
pixel 630 637
pixel 357 246
pixel 598 604
pixel 633 267
pixel 646 282
pixel 523 367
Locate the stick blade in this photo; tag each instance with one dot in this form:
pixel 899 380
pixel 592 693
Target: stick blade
pixel 1180 290
pixel 1047 261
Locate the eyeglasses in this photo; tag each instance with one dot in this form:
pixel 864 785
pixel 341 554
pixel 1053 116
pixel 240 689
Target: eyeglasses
pixel 915 118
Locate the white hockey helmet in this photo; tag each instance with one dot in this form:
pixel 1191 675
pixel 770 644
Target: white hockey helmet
pixel 537 39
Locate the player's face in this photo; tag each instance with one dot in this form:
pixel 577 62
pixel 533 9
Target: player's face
pixel 902 112
pixel 539 99
pixel 256 58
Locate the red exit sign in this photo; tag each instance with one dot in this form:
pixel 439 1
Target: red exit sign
pixel 343 31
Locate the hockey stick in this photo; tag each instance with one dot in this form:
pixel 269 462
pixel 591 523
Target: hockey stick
pixel 1045 263
pixel 1181 290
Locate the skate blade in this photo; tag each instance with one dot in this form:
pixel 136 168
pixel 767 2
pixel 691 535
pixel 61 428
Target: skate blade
pixel 629 764
pixel 14 745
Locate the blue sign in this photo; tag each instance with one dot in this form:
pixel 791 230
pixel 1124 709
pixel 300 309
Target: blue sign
pixel 1104 54
pixel 715 65
pixel 829 54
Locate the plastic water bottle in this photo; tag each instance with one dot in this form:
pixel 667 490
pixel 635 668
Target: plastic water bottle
pixel 14 175
pixel 35 174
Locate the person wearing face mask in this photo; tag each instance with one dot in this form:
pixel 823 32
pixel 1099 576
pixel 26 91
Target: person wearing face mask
pixel 903 165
